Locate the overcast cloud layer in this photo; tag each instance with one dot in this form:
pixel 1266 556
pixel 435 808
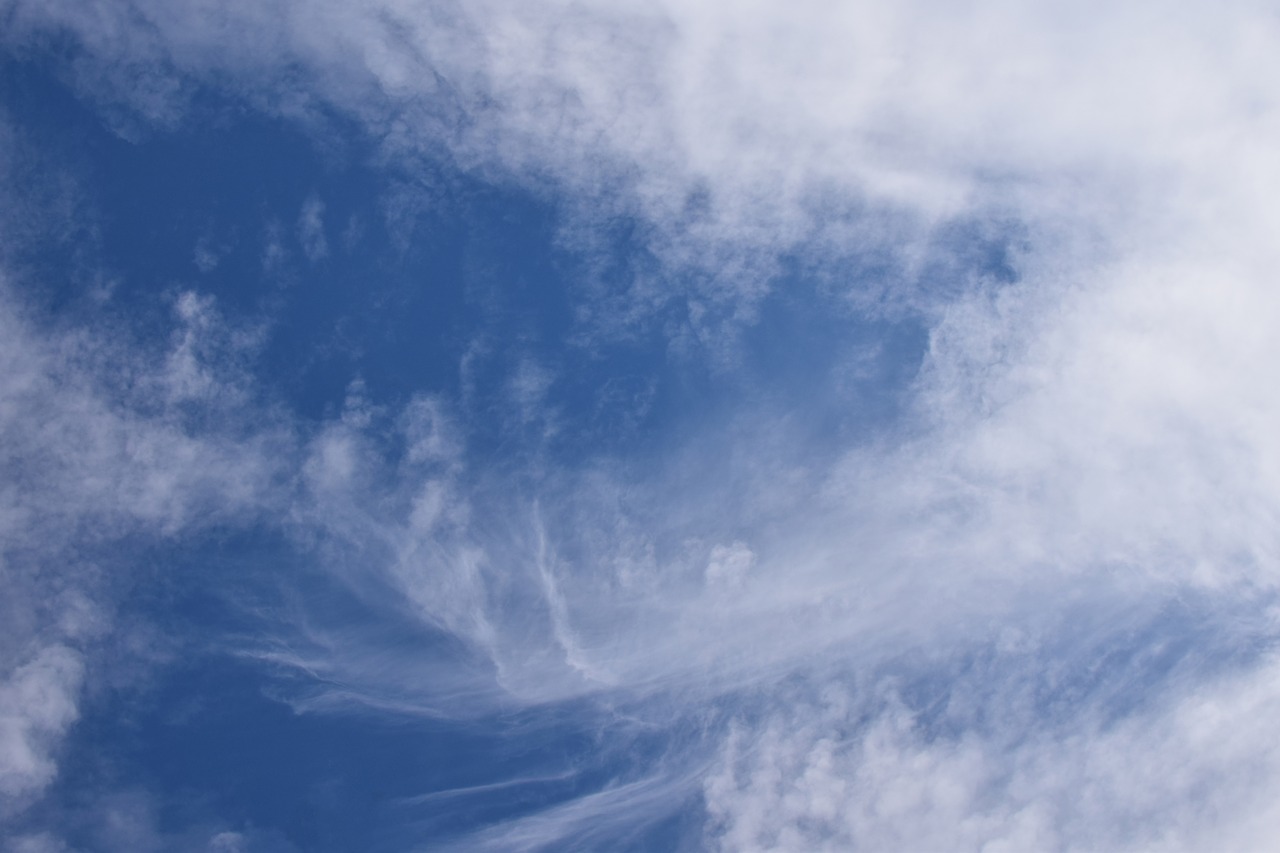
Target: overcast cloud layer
pixel 846 426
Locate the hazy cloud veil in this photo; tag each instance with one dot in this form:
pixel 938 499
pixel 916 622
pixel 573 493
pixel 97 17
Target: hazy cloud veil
pixel 864 438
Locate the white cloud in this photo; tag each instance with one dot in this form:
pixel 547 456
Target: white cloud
pixel 1196 775
pixel 780 127
pixel 37 704
pixel 42 842
pixel 98 445
pixel 227 842
pixel 729 565
pixel 311 229
pixel 1100 430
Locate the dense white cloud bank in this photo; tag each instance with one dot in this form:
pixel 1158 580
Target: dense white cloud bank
pixel 1102 430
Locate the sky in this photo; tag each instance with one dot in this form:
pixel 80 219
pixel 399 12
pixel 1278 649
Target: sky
pixel 639 426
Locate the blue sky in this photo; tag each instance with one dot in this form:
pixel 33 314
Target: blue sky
pixel 638 426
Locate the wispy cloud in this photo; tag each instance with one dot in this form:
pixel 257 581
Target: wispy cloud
pixel 101 444
pixel 311 229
